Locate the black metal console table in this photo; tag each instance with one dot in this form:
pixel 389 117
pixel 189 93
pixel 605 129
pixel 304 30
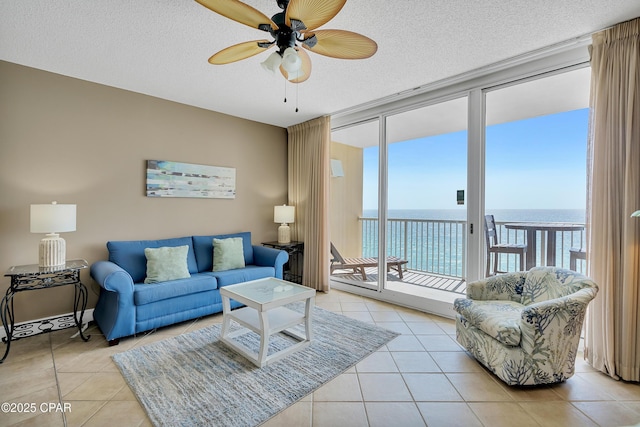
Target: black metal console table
pixel 32 277
pixel 293 268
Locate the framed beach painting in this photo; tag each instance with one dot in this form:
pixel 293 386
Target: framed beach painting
pixel 174 179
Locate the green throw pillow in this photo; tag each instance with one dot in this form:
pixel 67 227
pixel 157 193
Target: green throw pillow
pixel 228 254
pixel 166 263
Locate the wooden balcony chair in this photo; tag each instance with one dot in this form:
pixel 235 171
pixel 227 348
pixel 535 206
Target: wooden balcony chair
pixel 574 255
pixel 495 248
pixel 357 265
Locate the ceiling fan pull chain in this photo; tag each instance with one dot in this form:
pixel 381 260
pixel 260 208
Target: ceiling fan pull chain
pixel 297 86
pixel 285 91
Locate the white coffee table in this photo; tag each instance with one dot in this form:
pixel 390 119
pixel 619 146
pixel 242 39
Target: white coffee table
pixel 265 315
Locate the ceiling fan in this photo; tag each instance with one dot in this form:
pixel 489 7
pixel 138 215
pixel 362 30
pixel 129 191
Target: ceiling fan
pixel 297 23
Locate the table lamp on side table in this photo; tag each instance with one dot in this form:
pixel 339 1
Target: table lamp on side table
pixel 284 215
pixel 52 219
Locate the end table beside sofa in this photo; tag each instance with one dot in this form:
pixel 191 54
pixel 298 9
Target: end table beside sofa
pixel 31 278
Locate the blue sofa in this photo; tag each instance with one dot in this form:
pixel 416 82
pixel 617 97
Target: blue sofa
pixel 127 305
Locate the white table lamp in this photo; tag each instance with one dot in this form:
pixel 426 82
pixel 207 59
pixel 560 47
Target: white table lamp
pixel 52 219
pixel 284 215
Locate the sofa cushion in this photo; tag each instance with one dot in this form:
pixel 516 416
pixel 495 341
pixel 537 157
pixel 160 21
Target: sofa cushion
pixel 227 254
pixel 148 293
pixel 166 263
pixel 250 272
pixel 498 319
pixel 173 310
pixel 130 254
pixel 203 248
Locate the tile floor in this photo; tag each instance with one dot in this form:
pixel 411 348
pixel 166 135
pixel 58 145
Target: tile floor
pixel 421 378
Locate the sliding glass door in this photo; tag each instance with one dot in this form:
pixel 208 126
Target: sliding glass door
pixel 417 234
pixel 536 148
pixel 354 204
pixel 426 166
pixel 418 176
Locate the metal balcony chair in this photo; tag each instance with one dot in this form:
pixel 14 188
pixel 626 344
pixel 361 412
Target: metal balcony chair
pixel 496 248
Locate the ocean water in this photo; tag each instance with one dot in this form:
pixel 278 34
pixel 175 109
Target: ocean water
pixel 500 215
pixel 439 247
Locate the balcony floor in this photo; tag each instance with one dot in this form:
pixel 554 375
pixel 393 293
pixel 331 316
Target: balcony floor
pixel 410 277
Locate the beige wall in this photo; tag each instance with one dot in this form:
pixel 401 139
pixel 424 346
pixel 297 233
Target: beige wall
pixel 78 142
pixel 346 201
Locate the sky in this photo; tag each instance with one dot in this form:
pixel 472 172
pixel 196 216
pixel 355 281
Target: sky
pixel 537 163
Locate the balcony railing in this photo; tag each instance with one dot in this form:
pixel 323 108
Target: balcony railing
pixel 439 246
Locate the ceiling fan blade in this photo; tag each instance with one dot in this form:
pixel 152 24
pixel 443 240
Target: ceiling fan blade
pixel 239 51
pixel 313 13
pixel 341 44
pixel 240 12
pixel 305 67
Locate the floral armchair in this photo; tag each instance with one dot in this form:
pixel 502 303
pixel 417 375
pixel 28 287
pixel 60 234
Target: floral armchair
pixel 525 327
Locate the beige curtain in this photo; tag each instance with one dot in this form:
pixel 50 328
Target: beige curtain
pixel 309 158
pixel 612 342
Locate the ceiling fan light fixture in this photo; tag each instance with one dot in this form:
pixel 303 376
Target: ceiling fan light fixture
pixel 297 23
pixel 291 61
pixel 272 63
pixel 295 75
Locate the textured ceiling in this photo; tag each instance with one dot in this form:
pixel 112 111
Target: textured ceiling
pixel 160 48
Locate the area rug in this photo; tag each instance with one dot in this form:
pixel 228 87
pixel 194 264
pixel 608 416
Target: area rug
pixel 195 380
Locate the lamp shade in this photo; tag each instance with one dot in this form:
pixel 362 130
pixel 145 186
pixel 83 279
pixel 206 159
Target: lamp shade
pixel 284 214
pixel 272 62
pixel 291 61
pixel 53 218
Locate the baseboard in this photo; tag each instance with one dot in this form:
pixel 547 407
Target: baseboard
pixel 47 324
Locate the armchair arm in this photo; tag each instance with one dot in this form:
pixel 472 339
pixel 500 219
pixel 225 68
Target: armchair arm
pixel 505 287
pixel 555 323
pixel 115 311
pixel 270 257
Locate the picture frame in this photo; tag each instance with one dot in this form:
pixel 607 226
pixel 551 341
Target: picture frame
pixel 174 179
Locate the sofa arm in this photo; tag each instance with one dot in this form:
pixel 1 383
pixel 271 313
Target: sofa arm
pixel 115 311
pixel 505 287
pixel 112 277
pixel 270 257
pixel 555 323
